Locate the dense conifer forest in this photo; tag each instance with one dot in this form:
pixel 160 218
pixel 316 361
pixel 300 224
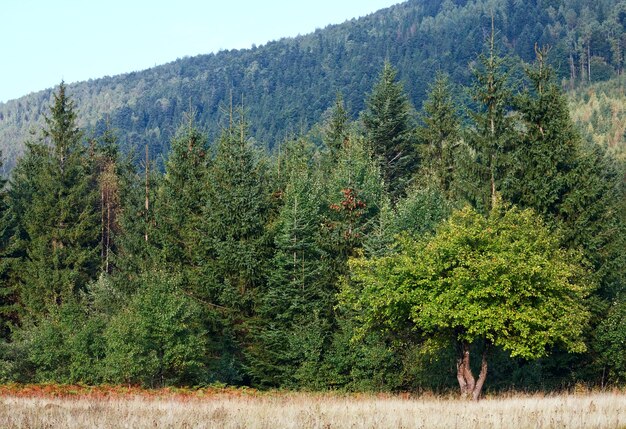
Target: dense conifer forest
pixel 289 84
pixel 461 230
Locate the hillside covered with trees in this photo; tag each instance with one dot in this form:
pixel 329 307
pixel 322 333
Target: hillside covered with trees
pixel 289 84
pixel 456 244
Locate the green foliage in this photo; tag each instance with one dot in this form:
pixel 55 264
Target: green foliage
pixel 492 134
pixel 235 241
pixel 503 279
pixel 540 177
pixel 7 293
pixel 354 196
pixel 180 205
pixel 337 126
pixel 157 339
pixel 366 364
pixel 298 292
pixel 55 234
pixel 387 122
pixel 417 215
pixel 219 264
pixel 439 139
pixel 611 341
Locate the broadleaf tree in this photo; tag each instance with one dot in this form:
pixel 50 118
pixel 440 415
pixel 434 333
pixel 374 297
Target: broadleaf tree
pixel 499 280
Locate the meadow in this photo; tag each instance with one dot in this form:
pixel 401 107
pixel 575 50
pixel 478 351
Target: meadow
pixel 102 408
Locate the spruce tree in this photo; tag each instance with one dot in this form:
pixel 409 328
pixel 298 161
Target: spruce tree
pixel 492 134
pixel 180 207
pixel 297 293
pixel 354 195
pixel 546 156
pixel 138 249
pixel 439 139
pixel 7 295
pixel 53 200
pixel 336 129
pixel 388 127
pixel 234 240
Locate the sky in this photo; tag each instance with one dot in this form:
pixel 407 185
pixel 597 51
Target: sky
pixel 45 41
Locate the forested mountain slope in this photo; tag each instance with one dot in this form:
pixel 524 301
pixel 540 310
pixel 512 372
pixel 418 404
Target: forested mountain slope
pixel 599 111
pixel 286 85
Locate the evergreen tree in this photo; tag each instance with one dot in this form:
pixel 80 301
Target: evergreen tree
pixel 439 139
pixel 234 241
pixel 492 135
pixel 296 293
pixel 336 130
pixel 388 127
pixel 544 159
pixel 180 208
pixel 54 201
pixel 593 215
pixel 354 197
pixel 7 295
pixel 137 245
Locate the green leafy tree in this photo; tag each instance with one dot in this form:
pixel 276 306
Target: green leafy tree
pixel 388 128
pixel 501 280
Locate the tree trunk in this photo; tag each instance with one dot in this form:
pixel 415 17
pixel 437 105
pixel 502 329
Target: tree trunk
pixel 464 371
pixel 589 60
pixel 481 377
pixel 572 68
pixel 469 386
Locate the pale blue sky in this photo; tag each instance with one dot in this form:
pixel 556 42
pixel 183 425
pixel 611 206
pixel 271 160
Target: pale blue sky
pixel 44 41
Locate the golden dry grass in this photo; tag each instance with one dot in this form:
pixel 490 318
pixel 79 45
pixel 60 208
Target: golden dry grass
pixel 599 410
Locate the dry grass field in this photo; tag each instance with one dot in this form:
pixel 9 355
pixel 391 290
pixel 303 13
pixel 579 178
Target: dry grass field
pixel 236 409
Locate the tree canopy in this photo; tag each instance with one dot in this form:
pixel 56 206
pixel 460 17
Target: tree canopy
pixel 501 279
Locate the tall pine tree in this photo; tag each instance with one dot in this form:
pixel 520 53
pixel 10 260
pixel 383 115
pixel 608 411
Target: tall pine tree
pixel 180 207
pixel 544 159
pixel 388 127
pixel 234 240
pixel 53 198
pixel 492 134
pixel 297 293
pixel 7 295
pixel 439 139
pixel 337 126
